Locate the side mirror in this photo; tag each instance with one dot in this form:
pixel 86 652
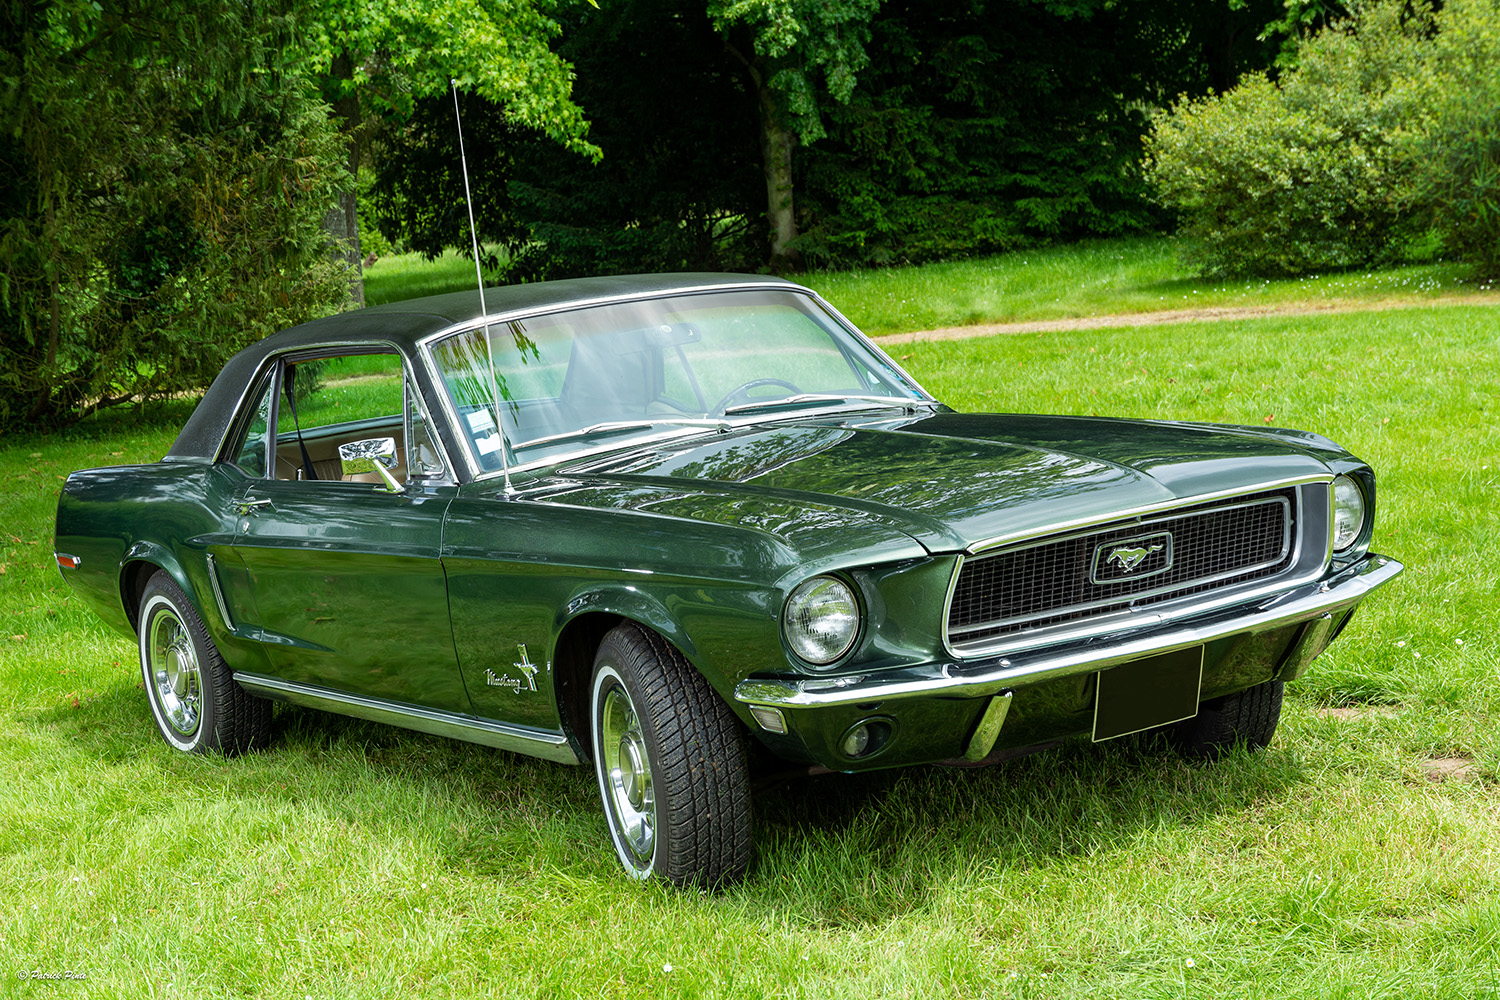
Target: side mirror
pixel 376 455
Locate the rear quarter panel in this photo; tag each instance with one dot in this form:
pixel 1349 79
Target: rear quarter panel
pixel 168 514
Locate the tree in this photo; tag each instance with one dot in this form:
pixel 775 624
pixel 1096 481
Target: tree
pixel 378 57
pixel 787 47
pixel 166 171
pixel 678 187
pixel 981 126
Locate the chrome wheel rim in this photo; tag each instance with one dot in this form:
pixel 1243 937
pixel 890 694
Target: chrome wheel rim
pixel 626 777
pixel 175 675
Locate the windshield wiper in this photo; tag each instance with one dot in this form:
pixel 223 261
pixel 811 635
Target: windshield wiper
pixel 623 427
pixel 803 398
pixel 608 427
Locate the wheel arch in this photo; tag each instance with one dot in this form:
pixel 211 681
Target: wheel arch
pixel 572 667
pixel 141 563
pixel 588 619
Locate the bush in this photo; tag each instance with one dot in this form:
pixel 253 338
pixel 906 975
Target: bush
pixel 1458 156
pixel 985 127
pixel 166 181
pixel 1308 173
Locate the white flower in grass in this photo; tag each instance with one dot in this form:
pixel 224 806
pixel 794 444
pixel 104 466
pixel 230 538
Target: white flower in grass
pixel 666 967
pixel 1189 963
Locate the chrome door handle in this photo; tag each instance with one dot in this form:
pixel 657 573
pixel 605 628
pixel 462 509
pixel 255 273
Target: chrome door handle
pixel 246 506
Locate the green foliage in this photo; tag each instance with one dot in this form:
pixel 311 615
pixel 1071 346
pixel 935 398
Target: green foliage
pixel 167 177
pixel 802 41
pixel 678 186
pixel 986 125
pixel 1308 173
pixel 392 52
pixel 1302 18
pixel 1458 158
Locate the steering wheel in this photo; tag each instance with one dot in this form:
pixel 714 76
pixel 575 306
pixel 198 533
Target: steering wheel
pixel 741 393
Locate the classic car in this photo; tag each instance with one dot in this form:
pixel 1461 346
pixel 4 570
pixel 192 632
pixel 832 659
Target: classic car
pixel 671 525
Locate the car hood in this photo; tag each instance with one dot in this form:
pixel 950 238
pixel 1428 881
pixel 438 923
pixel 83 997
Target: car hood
pixel 949 481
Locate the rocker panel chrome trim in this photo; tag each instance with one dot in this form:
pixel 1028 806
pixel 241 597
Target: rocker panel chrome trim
pixel 532 742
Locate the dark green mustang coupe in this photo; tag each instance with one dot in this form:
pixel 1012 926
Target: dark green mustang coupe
pixel 673 523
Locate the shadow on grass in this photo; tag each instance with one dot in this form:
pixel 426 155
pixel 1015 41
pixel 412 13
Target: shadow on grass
pixel 835 850
pixel 869 851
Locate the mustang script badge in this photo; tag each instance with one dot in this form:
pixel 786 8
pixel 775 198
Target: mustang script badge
pixel 1120 560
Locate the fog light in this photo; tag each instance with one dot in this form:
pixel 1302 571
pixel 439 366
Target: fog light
pixel 865 739
pixel 857 741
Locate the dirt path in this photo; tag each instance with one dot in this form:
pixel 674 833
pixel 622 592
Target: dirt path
pixel 1161 317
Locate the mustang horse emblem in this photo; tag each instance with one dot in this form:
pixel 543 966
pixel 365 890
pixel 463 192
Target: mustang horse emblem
pixel 1129 559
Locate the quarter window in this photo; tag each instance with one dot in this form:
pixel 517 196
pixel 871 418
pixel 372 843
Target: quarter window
pixel 250 453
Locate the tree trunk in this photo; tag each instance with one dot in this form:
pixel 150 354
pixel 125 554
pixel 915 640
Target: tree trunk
pixel 776 142
pixel 342 220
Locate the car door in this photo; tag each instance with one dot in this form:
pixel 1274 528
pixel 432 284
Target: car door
pixel 344 578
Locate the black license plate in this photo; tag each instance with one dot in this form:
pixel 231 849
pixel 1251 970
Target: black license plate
pixel 1144 694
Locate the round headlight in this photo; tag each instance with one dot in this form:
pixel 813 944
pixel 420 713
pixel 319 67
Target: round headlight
pixel 821 619
pixel 1348 512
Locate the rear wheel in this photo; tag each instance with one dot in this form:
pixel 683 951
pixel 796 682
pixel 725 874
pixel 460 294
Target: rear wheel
pixel 1247 718
pixel 197 706
pixel 670 759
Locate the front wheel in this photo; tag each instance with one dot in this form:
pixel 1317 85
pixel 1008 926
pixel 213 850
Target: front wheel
pixel 194 699
pixel 1248 718
pixel 670 760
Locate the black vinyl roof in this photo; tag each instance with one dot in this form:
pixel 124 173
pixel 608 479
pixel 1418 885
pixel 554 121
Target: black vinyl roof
pixel 405 324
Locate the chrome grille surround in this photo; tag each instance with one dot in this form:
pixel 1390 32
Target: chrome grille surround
pixel 1047 589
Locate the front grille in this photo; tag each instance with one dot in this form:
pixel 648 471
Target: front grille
pixel 1105 570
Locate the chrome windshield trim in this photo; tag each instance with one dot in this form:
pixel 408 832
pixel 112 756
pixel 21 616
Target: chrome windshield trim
pixel 552 746
pixel 426 344
pixel 474 323
pixel 842 401
pixel 956 680
pixel 867 340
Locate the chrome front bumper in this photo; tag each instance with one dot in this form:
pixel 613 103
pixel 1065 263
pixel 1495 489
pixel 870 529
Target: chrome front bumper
pixel 1319 606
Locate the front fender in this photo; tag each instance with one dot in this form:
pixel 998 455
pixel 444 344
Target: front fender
pixel 625 601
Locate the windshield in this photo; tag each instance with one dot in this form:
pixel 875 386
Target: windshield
pixel 639 367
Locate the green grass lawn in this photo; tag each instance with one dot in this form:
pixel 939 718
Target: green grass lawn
pixel 410 276
pixel 1103 277
pixel 1359 856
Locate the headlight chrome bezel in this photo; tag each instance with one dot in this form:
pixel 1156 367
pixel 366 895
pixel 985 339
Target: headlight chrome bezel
pixel 1350 514
pixel 822 600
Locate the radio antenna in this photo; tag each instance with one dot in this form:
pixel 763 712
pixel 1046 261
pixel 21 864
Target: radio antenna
pixel 484 312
